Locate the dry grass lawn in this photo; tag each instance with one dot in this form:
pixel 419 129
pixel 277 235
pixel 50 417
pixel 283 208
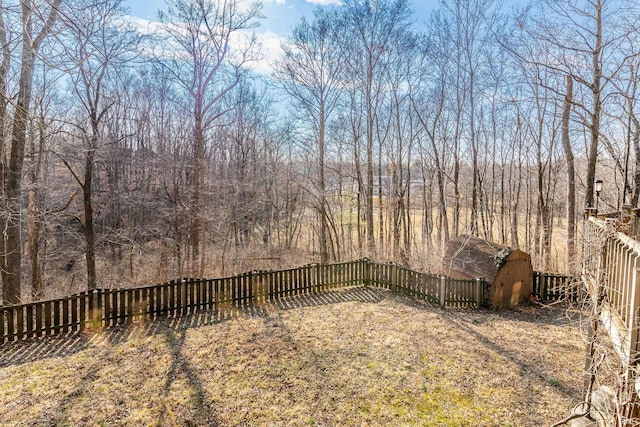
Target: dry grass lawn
pixel 353 357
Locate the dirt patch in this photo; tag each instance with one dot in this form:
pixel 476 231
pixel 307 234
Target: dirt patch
pixel 352 357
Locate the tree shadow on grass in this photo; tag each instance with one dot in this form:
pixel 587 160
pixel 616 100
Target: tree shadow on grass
pixel 56 414
pixel 204 412
pixel 63 345
pixel 464 324
pixel 60 346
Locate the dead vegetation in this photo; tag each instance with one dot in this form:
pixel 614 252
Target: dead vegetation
pixel 352 357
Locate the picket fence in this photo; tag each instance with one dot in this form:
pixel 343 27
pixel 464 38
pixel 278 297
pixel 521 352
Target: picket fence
pixel 104 308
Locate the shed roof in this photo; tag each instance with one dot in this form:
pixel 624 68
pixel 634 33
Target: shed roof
pixel 475 257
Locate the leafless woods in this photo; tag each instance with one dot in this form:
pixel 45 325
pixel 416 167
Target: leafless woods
pixel 137 152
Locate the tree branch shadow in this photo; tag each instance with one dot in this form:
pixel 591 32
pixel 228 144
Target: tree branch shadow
pixel 457 320
pixel 63 345
pixel 204 408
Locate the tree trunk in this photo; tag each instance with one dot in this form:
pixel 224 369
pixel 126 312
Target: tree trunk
pixel 322 202
pixel 636 177
pixel 597 106
pixel 12 189
pixel 197 202
pixel 34 216
pixel 10 221
pixel 571 179
pixel 89 236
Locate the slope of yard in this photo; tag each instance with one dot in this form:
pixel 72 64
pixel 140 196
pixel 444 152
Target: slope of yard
pixel 351 357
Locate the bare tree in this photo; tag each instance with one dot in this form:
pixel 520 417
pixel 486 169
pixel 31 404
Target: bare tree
pixel 206 62
pixel 571 178
pixel 311 72
pixel 370 27
pixel 42 127
pixel 587 41
pixel 430 109
pixel 43 17
pixel 96 35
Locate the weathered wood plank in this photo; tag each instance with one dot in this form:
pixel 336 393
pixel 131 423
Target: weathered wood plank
pixel 10 325
pixel 136 305
pixel 191 304
pixel 171 303
pixel 47 318
pixel 2 329
pixel 65 316
pixel 29 319
pixel 83 310
pixel 121 304
pixel 56 317
pixel 108 304
pixel 75 307
pixel 152 307
pixel 39 328
pixel 19 313
pixel 143 306
pixel 99 314
pixel 130 311
pixel 164 307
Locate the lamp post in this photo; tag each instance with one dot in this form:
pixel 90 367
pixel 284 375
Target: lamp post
pixel 597 187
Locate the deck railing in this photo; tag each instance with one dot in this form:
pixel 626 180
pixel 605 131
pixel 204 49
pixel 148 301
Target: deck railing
pixel 610 274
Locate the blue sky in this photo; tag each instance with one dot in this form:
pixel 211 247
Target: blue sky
pixel 280 15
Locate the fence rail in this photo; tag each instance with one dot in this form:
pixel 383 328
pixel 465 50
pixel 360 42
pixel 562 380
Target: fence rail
pixel 103 308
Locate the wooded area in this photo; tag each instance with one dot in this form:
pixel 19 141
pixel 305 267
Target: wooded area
pixel 133 154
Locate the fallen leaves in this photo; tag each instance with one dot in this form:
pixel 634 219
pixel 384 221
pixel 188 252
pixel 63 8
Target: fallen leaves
pixel 366 358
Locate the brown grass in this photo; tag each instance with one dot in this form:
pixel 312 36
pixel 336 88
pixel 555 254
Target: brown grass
pixel 351 357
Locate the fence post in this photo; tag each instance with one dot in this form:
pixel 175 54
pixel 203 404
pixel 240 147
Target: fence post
pixel 396 280
pixel 1 325
pixel 97 309
pixel 443 286
pixel 317 284
pixel 478 291
pixel 367 272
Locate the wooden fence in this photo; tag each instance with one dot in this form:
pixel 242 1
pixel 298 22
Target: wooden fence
pixel 554 287
pixel 434 289
pixel 104 308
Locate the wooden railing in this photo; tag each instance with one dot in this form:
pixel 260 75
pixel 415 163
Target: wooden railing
pixel 103 308
pixel 610 274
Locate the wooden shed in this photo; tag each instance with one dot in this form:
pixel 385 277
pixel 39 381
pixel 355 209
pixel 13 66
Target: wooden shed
pixel 508 272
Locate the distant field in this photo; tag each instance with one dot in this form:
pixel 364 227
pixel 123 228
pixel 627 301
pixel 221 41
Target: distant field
pixel 344 358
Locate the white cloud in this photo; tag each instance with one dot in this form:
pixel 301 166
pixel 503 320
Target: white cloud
pixel 270 49
pixel 143 26
pixel 268 42
pixel 275 1
pixel 325 2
